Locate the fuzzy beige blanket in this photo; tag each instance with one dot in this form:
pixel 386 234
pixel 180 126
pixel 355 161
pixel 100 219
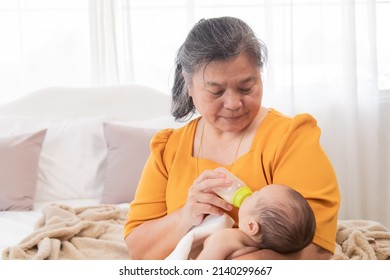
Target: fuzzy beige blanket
pixel 96 232
pixel 66 233
pixel 362 240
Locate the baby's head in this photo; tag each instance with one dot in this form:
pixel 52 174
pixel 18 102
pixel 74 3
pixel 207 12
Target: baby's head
pixel 277 216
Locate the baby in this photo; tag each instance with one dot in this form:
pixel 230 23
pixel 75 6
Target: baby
pixel 276 217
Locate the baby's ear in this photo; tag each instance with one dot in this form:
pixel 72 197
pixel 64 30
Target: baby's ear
pixel 253 227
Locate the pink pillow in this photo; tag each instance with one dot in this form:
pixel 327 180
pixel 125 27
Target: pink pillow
pixel 128 151
pixel 19 157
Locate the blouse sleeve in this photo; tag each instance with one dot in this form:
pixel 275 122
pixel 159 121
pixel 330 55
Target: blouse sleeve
pixel 149 201
pixel 301 162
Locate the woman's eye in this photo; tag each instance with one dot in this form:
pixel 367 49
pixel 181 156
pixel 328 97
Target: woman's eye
pixel 217 93
pixel 246 90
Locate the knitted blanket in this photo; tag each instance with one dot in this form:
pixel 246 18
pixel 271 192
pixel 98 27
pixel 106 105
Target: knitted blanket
pixel 362 240
pixel 66 233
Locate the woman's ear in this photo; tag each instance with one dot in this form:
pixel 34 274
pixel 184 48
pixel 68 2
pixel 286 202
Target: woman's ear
pixel 253 227
pixel 187 82
pixel 189 91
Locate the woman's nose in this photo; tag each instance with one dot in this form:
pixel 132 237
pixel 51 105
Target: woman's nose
pixel 232 100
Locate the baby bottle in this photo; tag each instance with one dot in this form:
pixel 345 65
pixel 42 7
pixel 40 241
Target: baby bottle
pixel 236 192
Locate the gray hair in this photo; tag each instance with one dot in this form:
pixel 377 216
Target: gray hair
pixel 212 39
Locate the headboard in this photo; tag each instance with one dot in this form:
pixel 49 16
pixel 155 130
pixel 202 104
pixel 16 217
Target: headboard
pixel 127 102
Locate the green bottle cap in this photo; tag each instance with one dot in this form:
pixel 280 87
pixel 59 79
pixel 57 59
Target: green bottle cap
pixel 240 195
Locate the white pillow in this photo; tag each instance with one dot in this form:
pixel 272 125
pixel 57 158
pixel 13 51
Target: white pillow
pixel 73 155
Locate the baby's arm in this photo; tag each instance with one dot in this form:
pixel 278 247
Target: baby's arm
pixel 221 244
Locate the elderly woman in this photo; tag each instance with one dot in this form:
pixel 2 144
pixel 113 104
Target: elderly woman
pixel 218 75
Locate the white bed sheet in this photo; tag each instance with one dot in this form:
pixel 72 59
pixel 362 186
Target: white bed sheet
pixel 15 226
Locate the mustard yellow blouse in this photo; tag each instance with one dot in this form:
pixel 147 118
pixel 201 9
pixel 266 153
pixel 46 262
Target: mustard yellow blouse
pixel 285 150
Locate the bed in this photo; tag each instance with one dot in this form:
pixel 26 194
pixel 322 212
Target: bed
pixel 70 159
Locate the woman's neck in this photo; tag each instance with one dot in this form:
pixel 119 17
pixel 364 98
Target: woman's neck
pixel 225 147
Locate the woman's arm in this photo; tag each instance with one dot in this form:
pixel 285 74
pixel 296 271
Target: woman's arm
pixel 311 252
pixel 156 239
pixel 300 162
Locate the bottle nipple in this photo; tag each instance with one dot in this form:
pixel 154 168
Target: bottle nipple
pixel 240 195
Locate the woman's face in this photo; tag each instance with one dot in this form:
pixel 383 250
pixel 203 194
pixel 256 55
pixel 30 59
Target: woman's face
pixel 228 93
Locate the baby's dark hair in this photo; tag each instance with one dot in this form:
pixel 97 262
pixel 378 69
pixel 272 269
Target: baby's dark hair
pixel 287 226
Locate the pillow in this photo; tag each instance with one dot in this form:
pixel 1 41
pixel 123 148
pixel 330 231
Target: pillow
pixel 127 152
pixel 19 158
pixel 72 157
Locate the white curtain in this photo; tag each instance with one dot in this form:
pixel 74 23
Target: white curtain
pixel 43 43
pixel 327 58
pixel 111 42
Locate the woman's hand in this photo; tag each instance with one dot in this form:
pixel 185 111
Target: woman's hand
pixel 201 199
